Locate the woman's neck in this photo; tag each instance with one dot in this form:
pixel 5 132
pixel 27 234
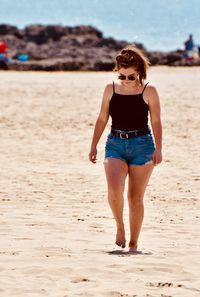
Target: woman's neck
pixel 130 87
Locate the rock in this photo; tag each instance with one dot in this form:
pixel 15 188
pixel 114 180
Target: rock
pixel 173 57
pixel 86 30
pixel 3 65
pixel 155 58
pixel 55 47
pixel 40 34
pixel 110 43
pixel 104 65
pixel 9 30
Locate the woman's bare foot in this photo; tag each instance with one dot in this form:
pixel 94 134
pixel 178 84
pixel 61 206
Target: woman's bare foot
pixel 132 246
pixel 120 236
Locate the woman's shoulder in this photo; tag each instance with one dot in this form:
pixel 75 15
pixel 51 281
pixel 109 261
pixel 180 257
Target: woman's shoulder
pixel 150 89
pixel 150 93
pixel 149 86
pixel 109 86
pixel 109 89
pixel 108 92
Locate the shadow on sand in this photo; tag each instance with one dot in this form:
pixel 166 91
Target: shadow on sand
pixel 127 253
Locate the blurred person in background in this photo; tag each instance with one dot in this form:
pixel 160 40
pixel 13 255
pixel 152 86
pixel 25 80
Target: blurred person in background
pixel 3 55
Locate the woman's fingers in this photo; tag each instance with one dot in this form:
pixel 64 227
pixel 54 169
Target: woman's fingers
pixel 157 157
pixel 92 157
pixel 154 159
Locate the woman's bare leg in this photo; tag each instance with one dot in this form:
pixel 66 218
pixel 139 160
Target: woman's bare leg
pixel 138 180
pixel 116 171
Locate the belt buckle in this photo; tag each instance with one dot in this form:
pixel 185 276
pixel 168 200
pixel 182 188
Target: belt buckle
pixel 122 133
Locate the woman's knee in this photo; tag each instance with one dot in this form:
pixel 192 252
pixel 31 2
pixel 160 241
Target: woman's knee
pixel 115 193
pixel 135 201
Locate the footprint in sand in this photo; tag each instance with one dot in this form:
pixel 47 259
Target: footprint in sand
pixel 161 284
pixel 79 280
pixel 118 294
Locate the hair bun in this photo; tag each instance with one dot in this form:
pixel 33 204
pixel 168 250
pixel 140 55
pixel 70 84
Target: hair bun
pixel 122 60
pixel 126 59
pixel 127 52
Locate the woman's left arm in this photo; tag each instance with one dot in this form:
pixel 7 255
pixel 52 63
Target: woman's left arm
pixel 154 108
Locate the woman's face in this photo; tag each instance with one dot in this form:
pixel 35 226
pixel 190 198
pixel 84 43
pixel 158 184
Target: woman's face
pixel 128 76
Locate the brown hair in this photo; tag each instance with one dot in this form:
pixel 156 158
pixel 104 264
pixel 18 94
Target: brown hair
pixel 131 56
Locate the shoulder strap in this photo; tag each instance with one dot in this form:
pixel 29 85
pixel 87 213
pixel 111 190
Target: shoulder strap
pixel 144 87
pixel 113 87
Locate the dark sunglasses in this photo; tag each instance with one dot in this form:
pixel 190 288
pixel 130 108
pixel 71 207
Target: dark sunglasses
pixel 123 77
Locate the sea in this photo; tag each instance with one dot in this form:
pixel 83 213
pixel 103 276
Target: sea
pixel 158 24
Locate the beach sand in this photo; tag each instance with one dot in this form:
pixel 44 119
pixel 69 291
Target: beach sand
pixel 57 230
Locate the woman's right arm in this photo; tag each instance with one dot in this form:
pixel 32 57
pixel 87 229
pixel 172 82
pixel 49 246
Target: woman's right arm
pixel 100 122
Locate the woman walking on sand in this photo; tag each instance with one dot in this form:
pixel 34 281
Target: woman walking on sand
pixel 130 149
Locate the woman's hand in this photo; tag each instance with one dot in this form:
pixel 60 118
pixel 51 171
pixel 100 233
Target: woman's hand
pixel 93 155
pixel 157 156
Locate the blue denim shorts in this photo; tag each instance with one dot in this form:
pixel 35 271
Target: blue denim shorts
pixel 134 151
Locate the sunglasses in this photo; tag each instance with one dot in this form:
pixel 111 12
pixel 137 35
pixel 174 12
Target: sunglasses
pixel 123 77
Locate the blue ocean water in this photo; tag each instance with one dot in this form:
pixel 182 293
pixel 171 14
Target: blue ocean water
pixel 158 24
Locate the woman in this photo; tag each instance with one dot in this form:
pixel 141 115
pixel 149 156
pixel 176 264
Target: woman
pixel 130 148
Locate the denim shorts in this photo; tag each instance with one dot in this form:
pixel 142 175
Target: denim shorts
pixel 134 151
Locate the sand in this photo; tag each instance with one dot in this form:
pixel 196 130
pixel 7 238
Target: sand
pixel 57 230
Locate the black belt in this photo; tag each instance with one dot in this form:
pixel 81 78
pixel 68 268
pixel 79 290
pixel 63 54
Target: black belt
pixel 131 134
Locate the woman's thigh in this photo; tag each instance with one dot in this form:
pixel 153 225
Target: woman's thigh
pixel 138 179
pixel 116 171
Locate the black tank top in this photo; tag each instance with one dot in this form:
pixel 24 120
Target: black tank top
pixel 128 112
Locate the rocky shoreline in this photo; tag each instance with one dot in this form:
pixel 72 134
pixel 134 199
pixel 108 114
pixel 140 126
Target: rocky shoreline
pixel 54 47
